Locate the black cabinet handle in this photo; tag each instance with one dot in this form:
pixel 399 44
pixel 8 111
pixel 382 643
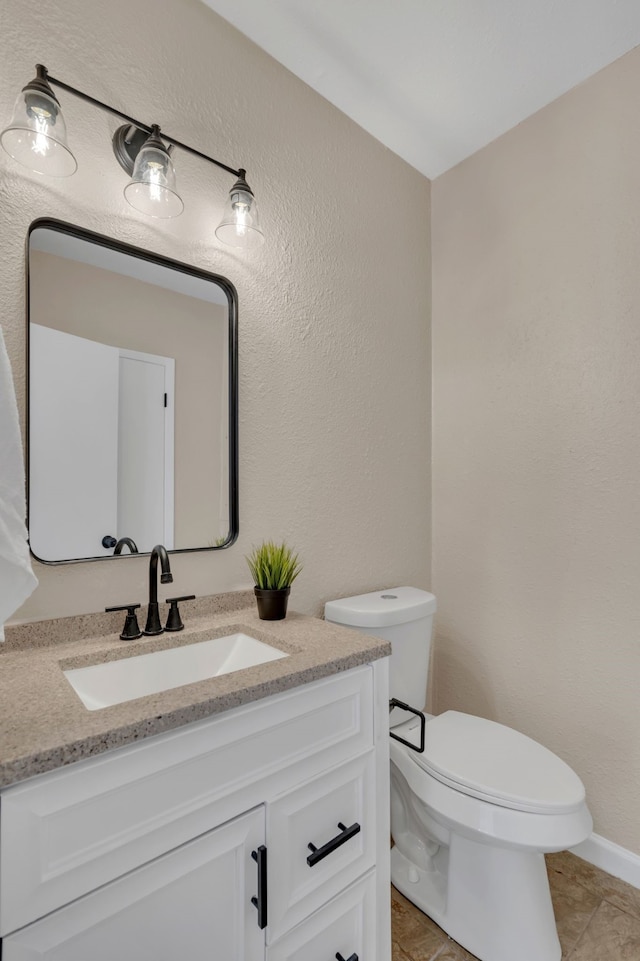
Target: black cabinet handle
pixel 354 957
pixel 260 857
pixel 317 854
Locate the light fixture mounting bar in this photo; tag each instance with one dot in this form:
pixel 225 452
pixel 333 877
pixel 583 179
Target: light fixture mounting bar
pixel 136 123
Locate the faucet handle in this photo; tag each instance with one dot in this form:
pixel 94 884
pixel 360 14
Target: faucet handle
pixel 174 621
pixel 131 630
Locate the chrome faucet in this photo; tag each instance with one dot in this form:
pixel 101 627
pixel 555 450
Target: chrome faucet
pixel 153 625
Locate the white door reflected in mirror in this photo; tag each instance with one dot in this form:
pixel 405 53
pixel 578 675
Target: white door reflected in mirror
pixel 114 407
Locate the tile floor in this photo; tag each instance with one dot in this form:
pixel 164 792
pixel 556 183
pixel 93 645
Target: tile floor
pixel 598 918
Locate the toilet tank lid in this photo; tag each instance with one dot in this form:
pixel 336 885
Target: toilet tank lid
pixel 396 605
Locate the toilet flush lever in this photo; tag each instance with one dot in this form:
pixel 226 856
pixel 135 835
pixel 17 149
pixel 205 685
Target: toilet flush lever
pixel 394 702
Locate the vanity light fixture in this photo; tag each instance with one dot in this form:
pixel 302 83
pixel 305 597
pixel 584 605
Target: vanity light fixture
pixel 37 138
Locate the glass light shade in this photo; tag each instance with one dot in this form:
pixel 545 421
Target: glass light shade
pixel 37 135
pixel 152 188
pixel 240 225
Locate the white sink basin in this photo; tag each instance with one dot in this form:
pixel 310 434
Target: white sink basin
pixel 103 685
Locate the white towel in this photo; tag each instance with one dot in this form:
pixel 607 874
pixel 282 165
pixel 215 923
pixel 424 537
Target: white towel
pixel 17 580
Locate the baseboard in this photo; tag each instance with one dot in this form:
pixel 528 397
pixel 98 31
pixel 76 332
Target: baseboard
pixel 611 858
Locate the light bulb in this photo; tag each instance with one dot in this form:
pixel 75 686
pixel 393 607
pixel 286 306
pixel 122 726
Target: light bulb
pixel 240 225
pixel 152 188
pixel 36 135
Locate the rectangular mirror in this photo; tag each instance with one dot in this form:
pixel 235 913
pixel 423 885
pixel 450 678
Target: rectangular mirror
pixel 132 400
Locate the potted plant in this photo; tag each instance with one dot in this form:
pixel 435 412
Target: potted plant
pixel 274 568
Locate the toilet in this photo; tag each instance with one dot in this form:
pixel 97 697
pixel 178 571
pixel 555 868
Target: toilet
pixel 473 814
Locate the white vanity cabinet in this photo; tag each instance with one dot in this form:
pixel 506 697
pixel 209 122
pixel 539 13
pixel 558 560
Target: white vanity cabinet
pixel 260 833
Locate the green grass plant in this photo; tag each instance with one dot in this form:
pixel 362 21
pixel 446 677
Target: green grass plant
pixel 273 566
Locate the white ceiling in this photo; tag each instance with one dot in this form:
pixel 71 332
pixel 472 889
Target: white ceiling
pixel 435 80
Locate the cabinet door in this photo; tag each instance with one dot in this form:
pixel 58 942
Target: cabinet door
pixel 345 926
pixel 194 902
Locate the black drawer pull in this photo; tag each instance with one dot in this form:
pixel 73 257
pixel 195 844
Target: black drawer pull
pixel 260 856
pixel 319 853
pixel 354 957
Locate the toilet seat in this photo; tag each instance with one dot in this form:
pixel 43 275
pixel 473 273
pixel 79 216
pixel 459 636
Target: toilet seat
pixel 494 763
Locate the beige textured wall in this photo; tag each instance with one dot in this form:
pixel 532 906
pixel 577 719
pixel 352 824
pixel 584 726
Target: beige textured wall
pixel 536 485
pixel 334 310
pixel 125 312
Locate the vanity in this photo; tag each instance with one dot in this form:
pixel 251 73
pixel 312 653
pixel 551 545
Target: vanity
pixel 244 816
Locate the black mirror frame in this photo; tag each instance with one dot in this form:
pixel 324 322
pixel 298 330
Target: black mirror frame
pixel 232 299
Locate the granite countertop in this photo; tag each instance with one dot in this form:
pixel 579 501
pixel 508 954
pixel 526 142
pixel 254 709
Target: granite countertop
pixel 44 724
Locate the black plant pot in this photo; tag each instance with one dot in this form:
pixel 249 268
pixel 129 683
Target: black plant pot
pixel 272 604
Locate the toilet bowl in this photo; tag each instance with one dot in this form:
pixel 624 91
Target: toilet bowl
pixel 473 814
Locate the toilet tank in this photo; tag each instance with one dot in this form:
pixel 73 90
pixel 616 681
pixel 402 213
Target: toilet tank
pixel 403 616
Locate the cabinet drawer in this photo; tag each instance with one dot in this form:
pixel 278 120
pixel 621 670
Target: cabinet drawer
pixel 334 813
pixel 346 925
pixel 68 832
